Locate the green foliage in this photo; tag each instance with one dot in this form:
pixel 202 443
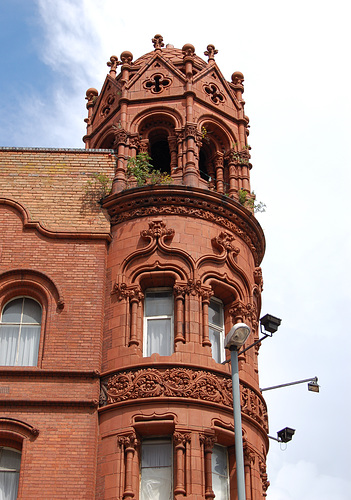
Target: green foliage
pixel 141 169
pixel 98 186
pixel 249 202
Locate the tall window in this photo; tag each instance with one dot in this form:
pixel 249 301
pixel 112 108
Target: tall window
pixel 220 476
pixel 10 461
pixel 20 332
pixel 156 470
pixel 158 322
pixel 216 329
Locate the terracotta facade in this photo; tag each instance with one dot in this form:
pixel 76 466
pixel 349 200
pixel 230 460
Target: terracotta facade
pixel 99 392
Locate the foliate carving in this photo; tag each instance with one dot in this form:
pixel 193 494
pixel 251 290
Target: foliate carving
pixel 225 240
pixel 158 42
pixel 258 277
pixel 249 455
pixel 264 477
pixel 180 438
pixel 157 228
pixel 207 441
pixel 121 135
pixel 241 312
pixel 190 130
pixel 179 290
pixel 241 158
pixel 123 291
pixel 200 210
pixel 129 441
pixel 251 404
pixel 181 383
pixel 211 52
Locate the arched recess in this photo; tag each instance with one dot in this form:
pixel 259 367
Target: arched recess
pixel 106 139
pixel 16 430
pixel 217 141
pixel 156 129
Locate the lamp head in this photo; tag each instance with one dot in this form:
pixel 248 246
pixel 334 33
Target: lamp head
pixel 237 336
pixel 270 323
pixel 285 435
pixel 313 385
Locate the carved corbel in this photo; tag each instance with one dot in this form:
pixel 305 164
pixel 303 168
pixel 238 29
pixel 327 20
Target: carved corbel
pixel 157 229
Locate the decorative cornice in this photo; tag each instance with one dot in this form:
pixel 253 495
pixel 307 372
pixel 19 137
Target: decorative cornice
pixel 180 382
pixel 189 202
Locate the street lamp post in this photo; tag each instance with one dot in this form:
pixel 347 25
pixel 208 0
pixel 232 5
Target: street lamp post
pixel 233 341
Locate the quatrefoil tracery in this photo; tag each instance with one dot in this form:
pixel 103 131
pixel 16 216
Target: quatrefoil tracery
pixel 214 93
pixel 157 83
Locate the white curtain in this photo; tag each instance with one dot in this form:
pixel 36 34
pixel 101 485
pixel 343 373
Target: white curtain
pixel 156 471
pixel 10 461
pixel 28 347
pixel 8 344
pixel 159 336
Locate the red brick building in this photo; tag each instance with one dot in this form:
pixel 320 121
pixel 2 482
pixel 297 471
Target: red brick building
pixel 114 313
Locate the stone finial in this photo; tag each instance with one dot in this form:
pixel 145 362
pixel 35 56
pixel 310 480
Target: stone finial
pixel 113 63
pixel 158 42
pixel 188 50
pixel 91 95
pixel 237 78
pixel 126 57
pixel 211 52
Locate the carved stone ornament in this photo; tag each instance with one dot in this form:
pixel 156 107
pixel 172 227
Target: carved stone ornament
pixel 207 441
pixel 179 205
pixel 225 241
pixel 129 441
pixel 214 93
pixel 211 52
pixel 238 78
pixel 181 438
pixel 157 83
pixel 157 229
pixel 121 135
pixel 123 291
pixel 264 476
pixel 190 130
pixel 126 57
pixel 181 383
pixel 258 277
pixel 112 64
pixel 107 104
pixel 158 42
pixel 188 50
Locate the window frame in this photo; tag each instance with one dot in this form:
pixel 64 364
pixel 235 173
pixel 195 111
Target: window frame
pixel 220 329
pixel 21 324
pixel 213 473
pixel 157 441
pixel 160 317
pixel 11 470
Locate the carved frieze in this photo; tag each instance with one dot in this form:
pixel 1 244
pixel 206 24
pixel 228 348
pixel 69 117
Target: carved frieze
pixel 181 383
pixel 158 205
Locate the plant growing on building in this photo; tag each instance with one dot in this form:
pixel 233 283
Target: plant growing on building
pixel 250 201
pixel 143 171
pixel 98 186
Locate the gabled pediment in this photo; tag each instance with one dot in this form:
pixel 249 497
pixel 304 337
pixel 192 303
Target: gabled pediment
pixel 155 76
pixel 213 87
pixel 107 101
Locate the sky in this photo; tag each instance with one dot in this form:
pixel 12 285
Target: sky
pixel 296 63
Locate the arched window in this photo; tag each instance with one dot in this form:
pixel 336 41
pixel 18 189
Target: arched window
pixel 20 332
pixel 158 322
pixel 216 329
pixel 10 462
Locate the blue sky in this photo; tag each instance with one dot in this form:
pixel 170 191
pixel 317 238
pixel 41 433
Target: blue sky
pixel 295 58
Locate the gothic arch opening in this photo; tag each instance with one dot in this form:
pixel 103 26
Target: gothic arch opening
pixel 159 151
